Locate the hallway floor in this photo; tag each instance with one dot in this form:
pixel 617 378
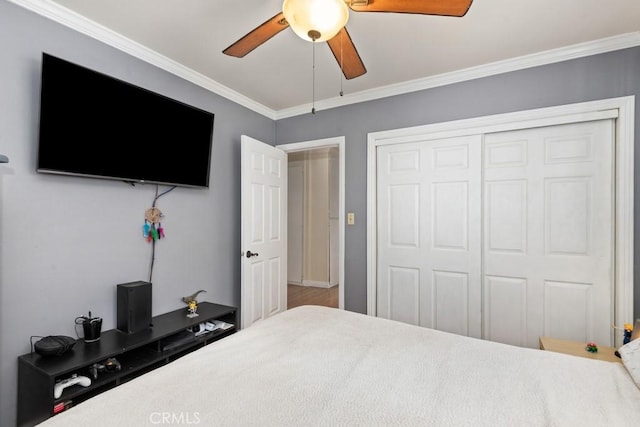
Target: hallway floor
pixel 311 295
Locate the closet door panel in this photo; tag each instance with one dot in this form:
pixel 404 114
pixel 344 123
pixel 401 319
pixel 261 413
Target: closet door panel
pixel 400 241
pixel 429 225
pixel 505 301
pixel 451 294
pixel 548 218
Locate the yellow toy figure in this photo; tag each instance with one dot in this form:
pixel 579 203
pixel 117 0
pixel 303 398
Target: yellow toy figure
pixel 192 303
pixel 628 328
pixel 193 306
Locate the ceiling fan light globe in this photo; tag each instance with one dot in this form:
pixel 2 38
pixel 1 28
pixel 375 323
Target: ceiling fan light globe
pixel 326 17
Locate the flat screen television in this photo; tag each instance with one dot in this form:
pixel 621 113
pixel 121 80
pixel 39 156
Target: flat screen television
pixel 94 125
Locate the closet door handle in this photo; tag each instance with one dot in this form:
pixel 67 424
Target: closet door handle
pixel 251 254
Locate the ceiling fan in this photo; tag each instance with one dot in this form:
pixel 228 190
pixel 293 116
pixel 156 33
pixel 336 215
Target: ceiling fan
pixel 303 17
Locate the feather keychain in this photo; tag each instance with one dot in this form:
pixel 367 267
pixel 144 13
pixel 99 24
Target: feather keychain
pixel 145 229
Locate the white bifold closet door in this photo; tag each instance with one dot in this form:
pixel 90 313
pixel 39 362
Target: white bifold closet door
pixel 548 234
pixel 429 219
pixel 505 236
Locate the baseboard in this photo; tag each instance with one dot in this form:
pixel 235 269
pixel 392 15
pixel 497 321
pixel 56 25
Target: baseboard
pixel 317 284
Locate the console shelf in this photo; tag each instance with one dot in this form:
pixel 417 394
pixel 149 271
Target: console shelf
pixel 137 353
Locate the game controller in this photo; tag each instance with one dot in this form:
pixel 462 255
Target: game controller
pixel 68 382
pixel 112 364
pixel 109 365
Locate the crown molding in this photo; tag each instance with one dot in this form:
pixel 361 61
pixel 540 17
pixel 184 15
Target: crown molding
pixel 75 21
pixel 90 28
pixel 579 50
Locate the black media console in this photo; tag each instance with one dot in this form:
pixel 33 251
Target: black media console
pixel 137 353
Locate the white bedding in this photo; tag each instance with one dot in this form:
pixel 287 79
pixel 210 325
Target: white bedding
pixel 319 366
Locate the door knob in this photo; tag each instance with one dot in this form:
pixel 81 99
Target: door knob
pixel 250 254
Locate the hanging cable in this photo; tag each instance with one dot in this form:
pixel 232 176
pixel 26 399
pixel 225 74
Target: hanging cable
pixel 313 35
pixel 153 241
pixel 313 78
pixel 341 62
pixel 161 194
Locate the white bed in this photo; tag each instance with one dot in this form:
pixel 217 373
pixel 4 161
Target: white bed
pixel 317 366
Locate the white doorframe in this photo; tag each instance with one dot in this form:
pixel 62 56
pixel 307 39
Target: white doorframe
pixel 337 142
pixel 623 109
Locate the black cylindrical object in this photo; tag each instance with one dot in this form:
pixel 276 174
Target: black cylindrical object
pixel 91 329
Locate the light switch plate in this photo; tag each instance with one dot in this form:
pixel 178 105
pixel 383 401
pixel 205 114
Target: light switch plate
pixel 351 218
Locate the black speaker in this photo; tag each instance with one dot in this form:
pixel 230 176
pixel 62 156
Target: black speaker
pixel 134 306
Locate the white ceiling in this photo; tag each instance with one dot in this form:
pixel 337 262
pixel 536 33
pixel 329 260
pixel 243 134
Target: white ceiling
pixel 399 51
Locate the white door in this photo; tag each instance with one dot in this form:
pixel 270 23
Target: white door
pixel 263 231
pixel 507 236
pixel 429 234
pixel 548 234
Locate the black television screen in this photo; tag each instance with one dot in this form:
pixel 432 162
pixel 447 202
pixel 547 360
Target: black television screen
pixel 94 125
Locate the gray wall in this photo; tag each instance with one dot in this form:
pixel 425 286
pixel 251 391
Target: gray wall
pixel 66 242
pixel 602 76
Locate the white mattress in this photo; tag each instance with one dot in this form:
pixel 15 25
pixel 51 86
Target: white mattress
pixel 317 366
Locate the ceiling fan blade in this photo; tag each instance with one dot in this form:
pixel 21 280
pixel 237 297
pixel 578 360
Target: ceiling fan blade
pixel 346 54
pixel 422 7
pixel 259 35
